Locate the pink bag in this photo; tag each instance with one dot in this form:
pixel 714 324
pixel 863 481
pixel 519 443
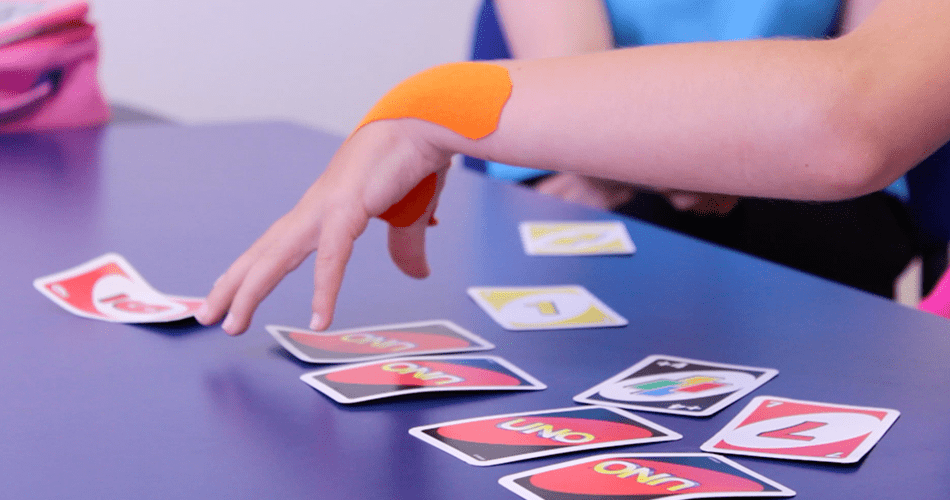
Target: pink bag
pixel 49 57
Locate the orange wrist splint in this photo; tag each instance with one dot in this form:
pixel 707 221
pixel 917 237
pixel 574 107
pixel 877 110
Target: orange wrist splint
pixel 466 98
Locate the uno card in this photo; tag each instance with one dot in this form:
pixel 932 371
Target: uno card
pixel 396 377
pixel 545 307
pixel 776 427
pixel 377 342
pixel 669 384
pixel 644 476
pixel 109 288
pixel 576 238
pixel 500 439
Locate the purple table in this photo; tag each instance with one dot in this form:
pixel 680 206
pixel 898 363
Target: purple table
pixel 92 410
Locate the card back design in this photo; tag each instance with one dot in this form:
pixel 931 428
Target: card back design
pixel 576 238
pixel 402 376
pixel 644 476
pixel 545 307
pixel 785 428
pixel 500 439
pixel 377 342
pixel 681 386
pixel 108 288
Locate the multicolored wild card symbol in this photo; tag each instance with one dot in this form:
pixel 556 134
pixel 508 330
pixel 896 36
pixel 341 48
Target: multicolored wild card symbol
pixel 670 384
pixel 108 288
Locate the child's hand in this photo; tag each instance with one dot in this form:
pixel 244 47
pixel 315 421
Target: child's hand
pixel 373 170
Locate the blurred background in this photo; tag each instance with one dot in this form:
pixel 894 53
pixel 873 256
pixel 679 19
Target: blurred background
pixel 315 62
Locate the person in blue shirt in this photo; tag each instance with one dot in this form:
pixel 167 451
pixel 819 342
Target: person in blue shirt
pixel 866 242
pixel 814 120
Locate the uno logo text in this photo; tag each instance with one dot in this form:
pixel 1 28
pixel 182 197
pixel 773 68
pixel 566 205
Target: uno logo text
pixel 422 373
pixel 547 431
pixel 643 475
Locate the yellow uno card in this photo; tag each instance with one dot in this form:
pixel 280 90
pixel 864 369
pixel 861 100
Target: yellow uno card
pixel 545 307
pixel 576 238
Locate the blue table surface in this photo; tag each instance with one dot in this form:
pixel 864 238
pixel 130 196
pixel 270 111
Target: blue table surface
pixel 92 410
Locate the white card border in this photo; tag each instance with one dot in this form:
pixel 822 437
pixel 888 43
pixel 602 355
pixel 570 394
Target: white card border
pixel 40 285
pixel 531 247
pixel 479 344
pixel 419 432
pixel 473 293
pixel 785 492
pixel 585 397
pixel 863 449
pixel 310 379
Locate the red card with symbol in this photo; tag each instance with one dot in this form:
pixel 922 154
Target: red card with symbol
pixel 803 430
pixel 108 288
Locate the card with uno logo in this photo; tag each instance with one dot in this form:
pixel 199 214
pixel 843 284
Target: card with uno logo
pixel 669 384
pixel 644 476
pixel 500 439
pixel 776 427
pixel 402 376
pixel 377 342
pixel 545 307
pixel 110 289
pixel 576 238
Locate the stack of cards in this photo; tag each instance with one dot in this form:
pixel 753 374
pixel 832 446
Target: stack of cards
pixel 108 288
pixel 394 360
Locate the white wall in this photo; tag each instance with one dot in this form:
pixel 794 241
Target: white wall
pixel 319 62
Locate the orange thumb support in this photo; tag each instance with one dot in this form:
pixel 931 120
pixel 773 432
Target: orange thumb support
pixel 466 98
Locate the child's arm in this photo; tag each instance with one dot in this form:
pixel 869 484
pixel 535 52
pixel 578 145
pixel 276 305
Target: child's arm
pixel 818 120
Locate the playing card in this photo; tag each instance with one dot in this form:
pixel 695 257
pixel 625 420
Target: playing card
pixel 545 307
pixel 777 427
pixel 500 439
pixel 669 384
pixel 576 238
pixel 377 342
pixel 644 476
pixel 110 289
pixel 401 376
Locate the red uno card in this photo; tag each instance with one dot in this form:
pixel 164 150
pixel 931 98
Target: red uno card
pixel 681 386
pixel 110 289
pixel 396 377
pixel 377 342
pixel 776 427
pixel 644 476
pixel 500 439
